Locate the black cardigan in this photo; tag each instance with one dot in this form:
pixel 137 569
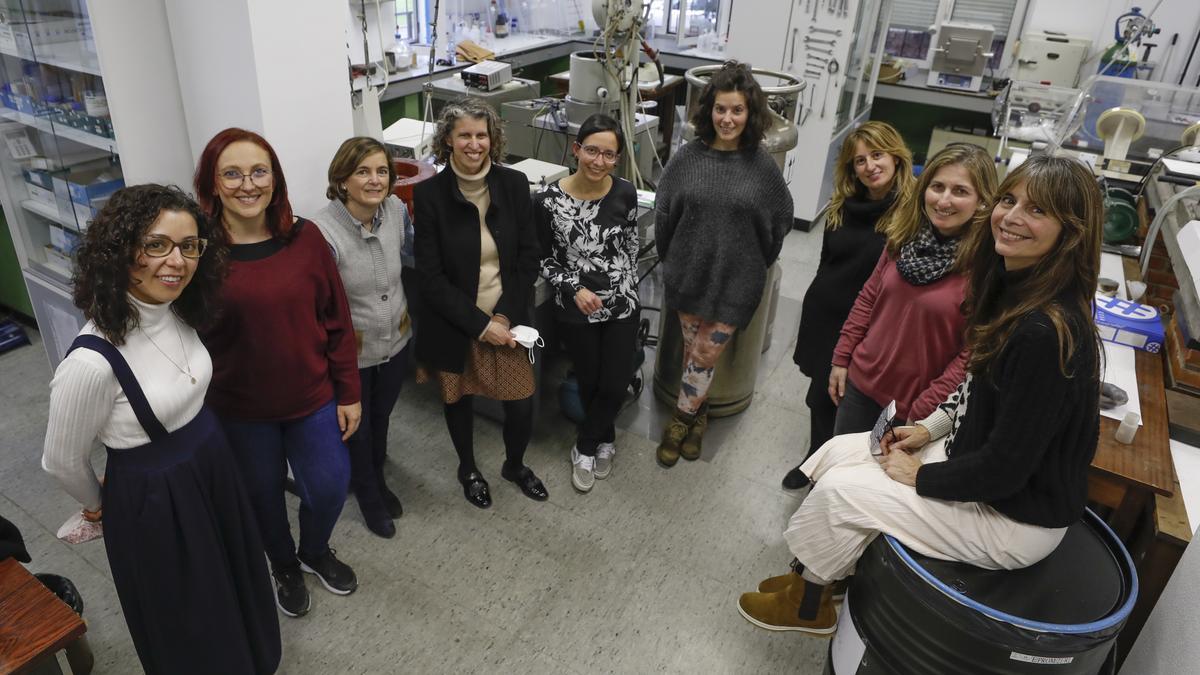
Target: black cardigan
pixel 446 247
pixel 1024 433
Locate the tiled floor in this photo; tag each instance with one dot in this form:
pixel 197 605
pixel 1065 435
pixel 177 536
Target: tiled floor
pixel 641 575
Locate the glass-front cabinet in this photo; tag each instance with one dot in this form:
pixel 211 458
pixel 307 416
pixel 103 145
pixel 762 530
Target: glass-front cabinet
pixel 59 159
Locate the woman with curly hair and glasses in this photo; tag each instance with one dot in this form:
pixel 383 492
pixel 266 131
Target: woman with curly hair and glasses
pixel 478 255
pixel 179 530
pixel 722 211
pixel 285 373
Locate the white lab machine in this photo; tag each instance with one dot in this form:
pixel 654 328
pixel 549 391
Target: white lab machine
pixel 1051 58
pixel 959 54
pixel 409 139
pixel 487 75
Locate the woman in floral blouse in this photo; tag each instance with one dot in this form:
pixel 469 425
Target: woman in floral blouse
pixel 587 224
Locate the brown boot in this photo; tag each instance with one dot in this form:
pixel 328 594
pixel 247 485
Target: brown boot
pixel 673 434
pixel 689 449
pixel 803 606
pixel 781 582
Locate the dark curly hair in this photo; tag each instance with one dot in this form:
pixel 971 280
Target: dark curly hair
pixel 110 247
pixel 734 76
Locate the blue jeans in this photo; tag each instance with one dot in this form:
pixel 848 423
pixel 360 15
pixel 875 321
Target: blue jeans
pixel 320 464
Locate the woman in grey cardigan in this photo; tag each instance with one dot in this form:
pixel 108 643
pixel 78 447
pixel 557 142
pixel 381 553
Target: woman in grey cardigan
pixel 723 210
pixel 366 227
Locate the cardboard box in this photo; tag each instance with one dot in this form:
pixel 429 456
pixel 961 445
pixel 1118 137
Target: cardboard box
pixel 1129 323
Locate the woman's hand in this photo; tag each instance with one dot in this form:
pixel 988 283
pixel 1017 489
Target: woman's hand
pixel 902 467
pixel 587 302
pixel 93 516
pixel 498 334
pixel 909 439
pixel 837 384
pixel 348 418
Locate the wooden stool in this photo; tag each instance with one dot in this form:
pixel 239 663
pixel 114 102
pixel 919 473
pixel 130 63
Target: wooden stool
pixel 35 625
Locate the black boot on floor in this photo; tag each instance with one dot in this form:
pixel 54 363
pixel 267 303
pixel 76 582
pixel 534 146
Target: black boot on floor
pixel 390 501
pixel 795 479
pixel 530 484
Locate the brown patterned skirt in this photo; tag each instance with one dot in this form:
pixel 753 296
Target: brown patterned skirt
pixel 500 373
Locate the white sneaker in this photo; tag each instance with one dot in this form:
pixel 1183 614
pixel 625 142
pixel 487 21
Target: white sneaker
pixel 604 458
pixel 583 475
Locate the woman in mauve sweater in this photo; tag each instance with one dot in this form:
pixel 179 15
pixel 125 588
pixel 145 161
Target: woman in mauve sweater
pixel 285 377
pixel 873 169
pixel 995 475
pixel 903 340
pixel 722 211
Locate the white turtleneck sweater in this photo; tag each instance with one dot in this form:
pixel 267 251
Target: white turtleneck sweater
pixel 87 403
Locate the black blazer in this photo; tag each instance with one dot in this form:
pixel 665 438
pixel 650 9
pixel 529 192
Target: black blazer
pixel 446 247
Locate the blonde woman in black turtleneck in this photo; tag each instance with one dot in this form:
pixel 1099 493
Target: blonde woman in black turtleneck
pixel 873 170
pixel 477 253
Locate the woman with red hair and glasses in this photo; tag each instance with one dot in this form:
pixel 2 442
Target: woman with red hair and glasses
pixel 285 371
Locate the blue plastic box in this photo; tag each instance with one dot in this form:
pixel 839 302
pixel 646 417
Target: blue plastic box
pixel 1129 323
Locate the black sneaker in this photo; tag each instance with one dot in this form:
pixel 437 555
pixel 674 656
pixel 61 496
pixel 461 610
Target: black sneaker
pixel 335 575
pixel 291 595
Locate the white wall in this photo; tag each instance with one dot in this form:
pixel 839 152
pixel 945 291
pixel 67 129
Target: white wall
pixel 1167 643
pixel 1094 19
pixel 138 63
pixel 277 67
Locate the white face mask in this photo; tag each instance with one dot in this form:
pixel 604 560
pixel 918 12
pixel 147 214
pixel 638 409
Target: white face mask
pixel 527 337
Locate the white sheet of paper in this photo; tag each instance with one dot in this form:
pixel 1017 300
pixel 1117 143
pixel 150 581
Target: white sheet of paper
pixel 1112 267
pixel 1119 369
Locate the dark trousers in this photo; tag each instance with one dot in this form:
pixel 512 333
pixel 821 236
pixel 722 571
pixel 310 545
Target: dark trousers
pixel 856 413
pixel 368 446
pixel 313 447
pixel 518 428
pixel 603 357
pixel 821 412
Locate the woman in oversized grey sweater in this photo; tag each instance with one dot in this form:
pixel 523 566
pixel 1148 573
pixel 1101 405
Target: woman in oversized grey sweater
pixel 722 211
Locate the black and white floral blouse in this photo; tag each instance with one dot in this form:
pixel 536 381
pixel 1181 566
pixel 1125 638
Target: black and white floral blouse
pixel 590 244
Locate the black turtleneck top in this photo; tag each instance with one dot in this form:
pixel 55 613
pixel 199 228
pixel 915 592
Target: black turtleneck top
pixel 848 256
pixel 1023 433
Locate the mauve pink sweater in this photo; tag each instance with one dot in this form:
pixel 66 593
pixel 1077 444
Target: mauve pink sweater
pixel 905 342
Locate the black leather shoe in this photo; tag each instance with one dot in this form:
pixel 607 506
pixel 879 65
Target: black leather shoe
pixel 475 489
pixel 795 479
pixel 391 502
pixel 530 484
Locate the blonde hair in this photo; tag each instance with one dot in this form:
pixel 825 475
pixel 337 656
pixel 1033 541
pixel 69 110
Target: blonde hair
pixel 876 136
pixel 909 215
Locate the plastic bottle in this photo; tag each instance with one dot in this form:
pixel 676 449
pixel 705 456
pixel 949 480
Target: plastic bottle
pixel 1128 428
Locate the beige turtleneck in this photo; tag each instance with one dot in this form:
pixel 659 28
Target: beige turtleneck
pixel 474 187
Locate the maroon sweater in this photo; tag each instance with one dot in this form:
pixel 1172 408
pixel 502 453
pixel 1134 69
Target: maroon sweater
pixel 905 342
pixel 284 344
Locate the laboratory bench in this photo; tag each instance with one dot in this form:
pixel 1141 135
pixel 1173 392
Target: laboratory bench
pixel 526 49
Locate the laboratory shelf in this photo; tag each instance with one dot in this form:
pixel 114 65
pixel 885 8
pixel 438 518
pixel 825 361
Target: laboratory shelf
pixel 61 130
pixel 70 55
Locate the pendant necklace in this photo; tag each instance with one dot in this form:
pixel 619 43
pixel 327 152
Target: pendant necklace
pixel 186 363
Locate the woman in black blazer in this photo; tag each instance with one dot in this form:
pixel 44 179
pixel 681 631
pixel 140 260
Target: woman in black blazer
pixel 477 251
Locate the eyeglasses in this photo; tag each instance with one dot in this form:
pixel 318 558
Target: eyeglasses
pixel 160 246
pixel 591 152
pixel 232 179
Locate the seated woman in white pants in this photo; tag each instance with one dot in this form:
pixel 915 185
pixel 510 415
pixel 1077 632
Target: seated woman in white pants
pixel 998 472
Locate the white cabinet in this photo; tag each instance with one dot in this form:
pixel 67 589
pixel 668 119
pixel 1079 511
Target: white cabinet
pixel 835 45
pixel 58 159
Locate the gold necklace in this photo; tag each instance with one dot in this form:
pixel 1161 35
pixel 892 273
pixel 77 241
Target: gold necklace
pixel 188 364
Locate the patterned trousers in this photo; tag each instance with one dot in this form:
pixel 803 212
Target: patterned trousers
pixel 703 342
